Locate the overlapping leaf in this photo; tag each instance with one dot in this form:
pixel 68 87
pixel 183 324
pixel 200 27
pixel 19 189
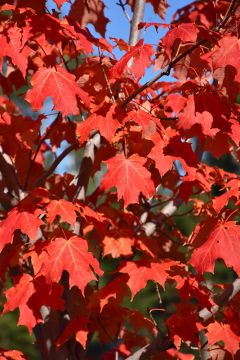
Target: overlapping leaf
pixel 23 220
pixel 63 208
pixel 222 242
pixel 142 59
pixel 61 86
pixel 73 256
pixel 222 332
pixel 14 46
pixel 129 176
pixel 140 272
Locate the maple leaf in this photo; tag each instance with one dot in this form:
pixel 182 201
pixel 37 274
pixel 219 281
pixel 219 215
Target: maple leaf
pixel 226 52
pixel 185 32
pixel 140 272
pixel 129 176
pixel 220 201
pixel 163 162
pixel 77 326
pixel 60 85
pixel 189 118
pixel 222 241
pixel 142 58
pixel 144 119
pixel 73 256
pixel 159 7
pixel 17 297
pixel 106 125
pixel 63 208
pixel 167 151
pixel 14 46
pixel 176 102
pixel 29 295
pixel 45 294
pixel 17 218
pixel 222 332
pixel 91 12
pixel 116 289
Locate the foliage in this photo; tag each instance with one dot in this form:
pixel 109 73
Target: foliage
pixel 76 251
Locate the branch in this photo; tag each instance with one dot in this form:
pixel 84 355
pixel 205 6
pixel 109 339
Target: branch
pixel 204 353
pixel 39 181
pixel 9 174
pixel 137 18
pixel 124 10
pixel 43 138
pixel 106 79
pixel 86 166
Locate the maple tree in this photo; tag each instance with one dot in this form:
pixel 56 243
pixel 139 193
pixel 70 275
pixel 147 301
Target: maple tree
pixel 74 257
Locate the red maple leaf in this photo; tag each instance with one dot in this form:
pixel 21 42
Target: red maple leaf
pixel 63 208
pixel 77 326
pixel 222 241
pixel 73 256
pixel 29 295
pixel 129 176
pixel 116 289
pixel 142 58
pixel 140 272
pixel 61 86
pixel 90 12
pixel 20 219
pixel 184 323
pixel 14 46
pixel 144 119
pixel 223 332
pixel 185 32
pixel 17 297
pixel 106 125
pixel 226 52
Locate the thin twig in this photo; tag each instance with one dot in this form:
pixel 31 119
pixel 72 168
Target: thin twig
pixel 40 180
pixel 124 10
pixel 106 79
pixel 227 15
pixel 158 293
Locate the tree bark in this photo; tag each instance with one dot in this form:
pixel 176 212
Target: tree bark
pixel 137 18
